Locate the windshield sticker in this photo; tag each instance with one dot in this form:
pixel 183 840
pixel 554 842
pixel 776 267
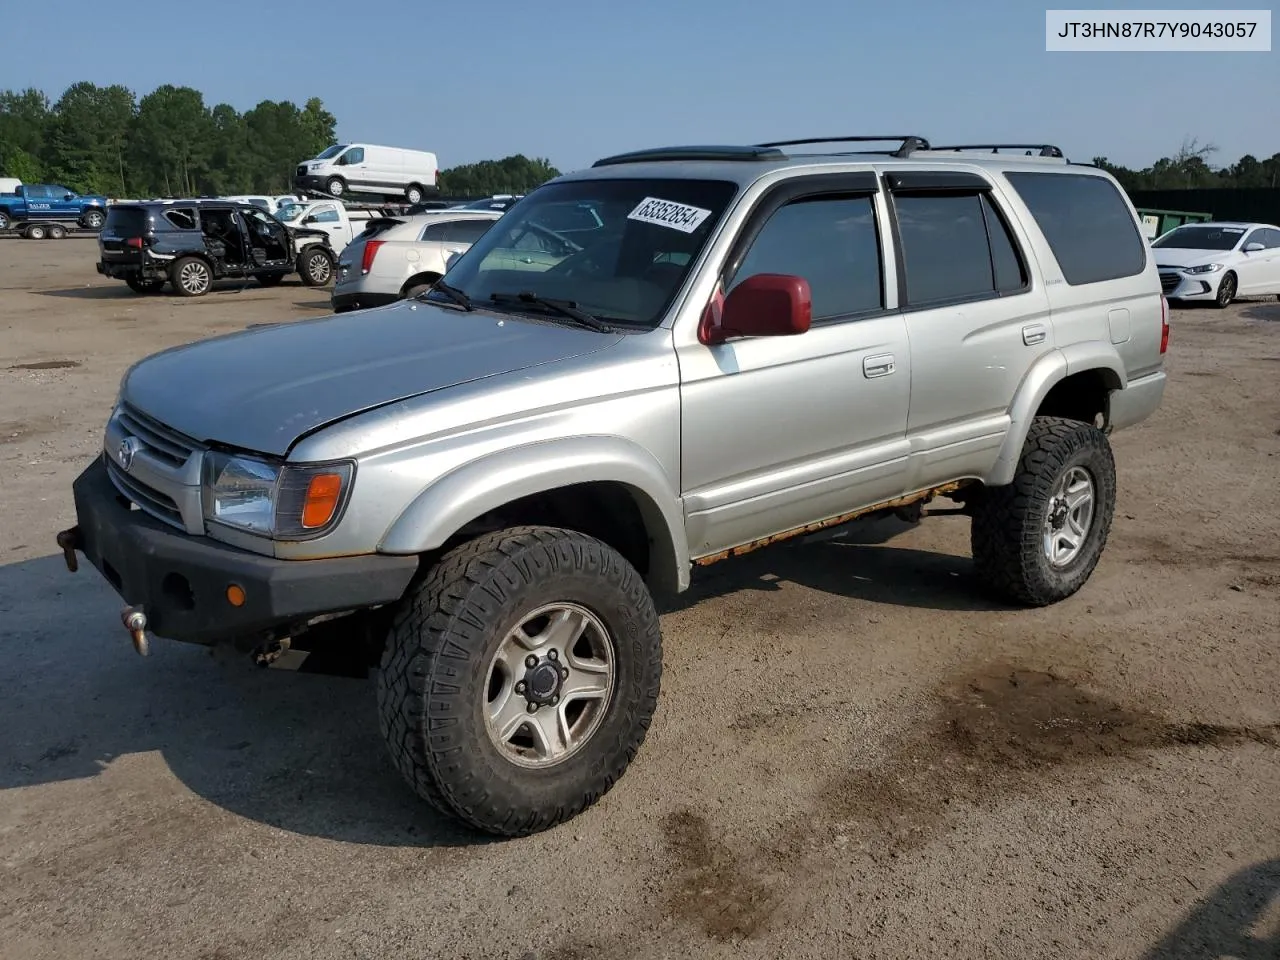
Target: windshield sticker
pixel 666 213
pixel 1233 229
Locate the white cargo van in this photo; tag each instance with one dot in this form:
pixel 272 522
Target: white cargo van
pixel 390 172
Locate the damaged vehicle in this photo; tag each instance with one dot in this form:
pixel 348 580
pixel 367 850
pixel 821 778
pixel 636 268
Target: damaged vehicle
pixel 482 488
pixel 192 244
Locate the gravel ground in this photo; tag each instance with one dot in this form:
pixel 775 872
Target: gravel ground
pixel 855 755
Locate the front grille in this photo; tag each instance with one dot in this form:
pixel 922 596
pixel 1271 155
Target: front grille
pixel 162 442
pixel 1169 281
pixel 152 501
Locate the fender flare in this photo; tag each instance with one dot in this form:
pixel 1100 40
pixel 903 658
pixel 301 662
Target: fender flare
pixel 487 483
pixel 1045 374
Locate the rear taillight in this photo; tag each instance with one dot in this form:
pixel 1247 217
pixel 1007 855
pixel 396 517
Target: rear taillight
pixel 370 251
pixel 1164 324
pixel 134 242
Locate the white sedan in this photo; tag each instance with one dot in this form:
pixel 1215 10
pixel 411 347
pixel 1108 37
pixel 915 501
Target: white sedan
pixel 1218 262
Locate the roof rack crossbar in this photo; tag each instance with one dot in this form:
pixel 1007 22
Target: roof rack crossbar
pixel 908 143
pixel 1045 149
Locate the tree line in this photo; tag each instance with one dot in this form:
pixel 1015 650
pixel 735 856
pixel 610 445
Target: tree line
pixel 172 143
pixel 1190 169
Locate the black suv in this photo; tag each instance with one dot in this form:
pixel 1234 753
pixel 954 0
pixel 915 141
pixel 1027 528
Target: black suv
pixel 192 243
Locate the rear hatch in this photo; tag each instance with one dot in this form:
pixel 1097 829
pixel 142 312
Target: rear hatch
pixel 352 256
pixel 124 234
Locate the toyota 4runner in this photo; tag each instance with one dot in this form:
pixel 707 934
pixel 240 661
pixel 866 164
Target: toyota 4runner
pixel 488 481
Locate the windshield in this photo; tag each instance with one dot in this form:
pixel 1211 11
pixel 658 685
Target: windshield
pixel 1200 238
pixel 288 212
pixel 618 249
pixel 333 151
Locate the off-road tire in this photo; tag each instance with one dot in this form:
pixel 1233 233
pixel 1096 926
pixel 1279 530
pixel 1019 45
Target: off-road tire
pixel 311 271
pixel 1228 287
pixel 432 686
pixel 1006 535
pixel 144 285
pixel 176 272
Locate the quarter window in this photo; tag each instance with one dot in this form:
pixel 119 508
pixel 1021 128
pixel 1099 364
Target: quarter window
pixel 1087 224
pixel 832 242
pixel 182 219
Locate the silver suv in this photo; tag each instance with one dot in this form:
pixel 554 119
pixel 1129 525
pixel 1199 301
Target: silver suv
pixel 714 349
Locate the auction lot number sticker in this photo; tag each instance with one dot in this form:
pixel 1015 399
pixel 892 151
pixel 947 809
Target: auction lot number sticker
pixel 668 213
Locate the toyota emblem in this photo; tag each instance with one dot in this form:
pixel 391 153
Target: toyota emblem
pixel 129 447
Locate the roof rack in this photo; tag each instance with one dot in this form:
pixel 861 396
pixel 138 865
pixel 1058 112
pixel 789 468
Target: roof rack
pixel 734 152
pixel 1045 149
pixel 908 143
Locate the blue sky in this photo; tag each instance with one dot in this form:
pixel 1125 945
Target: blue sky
pixel 572 80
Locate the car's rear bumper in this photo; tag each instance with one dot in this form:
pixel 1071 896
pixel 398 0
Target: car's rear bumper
pixel 180 582
pixel 146 269
pixel 1138 400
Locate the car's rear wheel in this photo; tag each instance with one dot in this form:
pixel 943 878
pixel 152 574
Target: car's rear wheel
pixel 414 193
pixel 417 287
pixel 520 678
pixel 1226 291
pixel 5 222
pixel 315 267
pixel 1037 540
pixel 93 219
pixel 144 284
pixel 191 277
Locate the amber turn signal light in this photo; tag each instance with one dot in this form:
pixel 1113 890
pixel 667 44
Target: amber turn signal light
pixel 235 595
pixel 322 500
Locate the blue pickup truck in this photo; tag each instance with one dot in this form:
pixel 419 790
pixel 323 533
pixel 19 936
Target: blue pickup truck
pixel 47 209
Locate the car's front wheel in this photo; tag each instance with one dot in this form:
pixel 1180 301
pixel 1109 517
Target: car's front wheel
pixel 1226 291
pixel 315 267
pixel 1037 540
pixel 519 680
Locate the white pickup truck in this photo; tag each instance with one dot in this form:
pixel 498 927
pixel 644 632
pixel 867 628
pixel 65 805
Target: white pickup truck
pixel 342 222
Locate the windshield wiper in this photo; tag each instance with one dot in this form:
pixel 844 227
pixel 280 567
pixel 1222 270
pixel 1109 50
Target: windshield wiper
pixel 453 293
pixel 566 308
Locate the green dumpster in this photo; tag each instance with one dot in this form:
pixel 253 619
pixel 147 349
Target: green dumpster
pixel 1157 222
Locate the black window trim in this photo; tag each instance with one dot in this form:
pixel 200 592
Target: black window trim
pixel 819 186
pixel 951 183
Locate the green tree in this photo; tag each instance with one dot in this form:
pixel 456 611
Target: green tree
pixel 24 120
pixel 514 174
pixel 88 131
pixel 172 141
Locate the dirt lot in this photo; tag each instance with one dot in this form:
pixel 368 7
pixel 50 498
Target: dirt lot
pixel 854 755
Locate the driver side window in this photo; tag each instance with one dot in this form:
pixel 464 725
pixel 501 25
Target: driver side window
pixel 832 242
pixel 354 155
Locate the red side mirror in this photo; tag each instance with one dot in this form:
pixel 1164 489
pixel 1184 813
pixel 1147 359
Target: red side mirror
pixel 764 305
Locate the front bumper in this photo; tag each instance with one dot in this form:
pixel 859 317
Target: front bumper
pixel 310 182
pixel 181 582
pixel 1176 285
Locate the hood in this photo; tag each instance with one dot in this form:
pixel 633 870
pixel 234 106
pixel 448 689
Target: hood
pixel 1187 258
pixel 304 231
pixel 263 389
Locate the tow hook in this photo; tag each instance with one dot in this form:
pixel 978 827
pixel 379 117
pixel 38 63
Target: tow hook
pixel 69 541
pixel 268 652
pixel 135 621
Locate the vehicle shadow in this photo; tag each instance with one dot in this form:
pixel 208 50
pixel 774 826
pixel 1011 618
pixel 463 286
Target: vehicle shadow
pixel 1224 925
pixel 296 751
pixel 1261 310
pixel 861 565
pixel 101 292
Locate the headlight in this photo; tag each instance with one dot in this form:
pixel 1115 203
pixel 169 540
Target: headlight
pixel 284 501
pixel 1203 268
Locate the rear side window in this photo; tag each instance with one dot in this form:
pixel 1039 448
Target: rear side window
pixel 125 221
pixel 466 231
pixel 1088 226
pixel 182 219
pixel 955 246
